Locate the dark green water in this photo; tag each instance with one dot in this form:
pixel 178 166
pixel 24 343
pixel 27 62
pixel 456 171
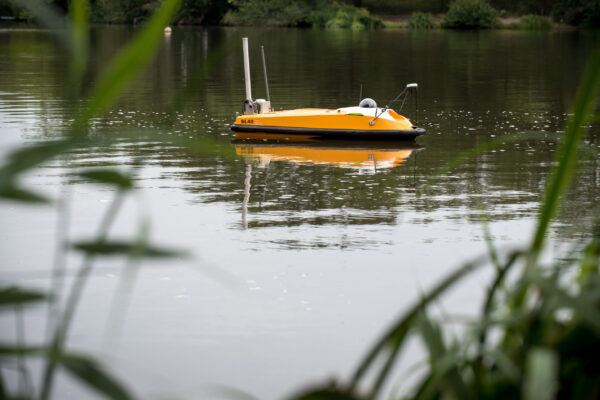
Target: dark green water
pixel 302 254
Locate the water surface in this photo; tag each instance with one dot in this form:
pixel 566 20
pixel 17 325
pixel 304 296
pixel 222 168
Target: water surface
pixel 303 251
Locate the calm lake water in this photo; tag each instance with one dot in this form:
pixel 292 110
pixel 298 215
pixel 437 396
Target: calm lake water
pixel 303 253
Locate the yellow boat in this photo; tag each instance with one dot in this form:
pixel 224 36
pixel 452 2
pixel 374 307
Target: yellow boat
pixel 365 121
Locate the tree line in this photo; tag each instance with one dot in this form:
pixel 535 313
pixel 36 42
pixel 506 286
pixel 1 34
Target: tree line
pixel 302 12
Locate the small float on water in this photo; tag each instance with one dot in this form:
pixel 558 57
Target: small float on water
pixel 365 121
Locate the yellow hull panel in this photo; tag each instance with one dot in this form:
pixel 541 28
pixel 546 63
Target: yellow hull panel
pixel 348 122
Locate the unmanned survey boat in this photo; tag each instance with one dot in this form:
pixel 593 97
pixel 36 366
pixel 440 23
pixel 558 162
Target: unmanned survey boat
pixel 365 121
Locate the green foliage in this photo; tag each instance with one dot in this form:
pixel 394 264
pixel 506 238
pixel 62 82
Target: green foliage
pixel 400 7
pixel 533 23
pixel 538 7
pixel 120 248
pixel 353 18
pixel 91 373
pixel 300 13
pixel 268 13
pixel 585 13
pixel 110 177
pixel 469 14
pixel 420 20
pixel 125 11
pixel 207 12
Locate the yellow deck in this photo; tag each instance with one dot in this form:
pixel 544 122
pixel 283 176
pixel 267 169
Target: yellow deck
pixel 320 118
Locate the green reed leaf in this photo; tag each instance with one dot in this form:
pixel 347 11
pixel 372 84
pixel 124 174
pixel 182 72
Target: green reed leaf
pixel 79 39
pixel 24 159
pixel 325 394
pixel 585 309
pixel 12 192
pixel 90 372
pixel 13 350
pixel 541 372
pixel 434 342
pixel 29 157
pixel 435 383
pixel 134 56
pixel 109 177
pixel 120 248
pixel 85 369
pixel 50 17
pixel 567 152
pixel 12 296
pixel 396 335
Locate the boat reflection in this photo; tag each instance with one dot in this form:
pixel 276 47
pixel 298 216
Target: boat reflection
pixel 374 155
pixel 363 155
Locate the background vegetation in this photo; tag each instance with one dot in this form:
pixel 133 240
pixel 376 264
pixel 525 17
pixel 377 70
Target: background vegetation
pixel 533 23
pixel 469 14
pixel 319 13
pixel 420 20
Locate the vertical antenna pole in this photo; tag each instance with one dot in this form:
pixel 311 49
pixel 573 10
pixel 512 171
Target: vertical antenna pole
pixel 247 69
pixel 417 104
pixel 360 94
pixel 262 51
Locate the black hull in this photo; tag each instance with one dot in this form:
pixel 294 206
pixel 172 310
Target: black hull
pixel 332 133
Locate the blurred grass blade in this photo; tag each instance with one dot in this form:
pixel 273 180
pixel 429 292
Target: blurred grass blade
pixel 79 39
pixel 49 17
pixel 12 296
pixel 91 373
pixel 12 350
pixel 405 322
pixel 487 234
pixel 12 192
pixel 434 342
pixel 3 393
pixel 488 304
pixel 567 153
pixel 108 176
pixel 589 263
pixel 128 63
pixel 23 159
pixel 85 369
pixel 120 248
pixel 585 309
pixel 506 365
pixel 540 375
pixel 26 158
pixel 324 394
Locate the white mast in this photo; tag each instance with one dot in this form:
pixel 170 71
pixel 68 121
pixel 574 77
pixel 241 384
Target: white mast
pixel 247 69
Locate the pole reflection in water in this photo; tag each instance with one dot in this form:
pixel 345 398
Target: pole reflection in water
pixel 247 185
pixel 364 155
